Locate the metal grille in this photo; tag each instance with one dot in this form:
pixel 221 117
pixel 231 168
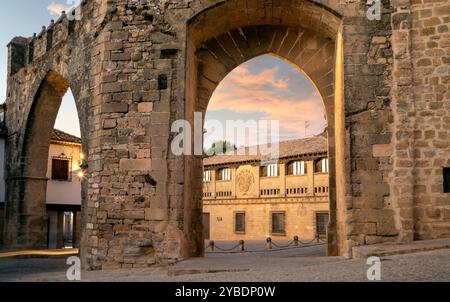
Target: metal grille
pixel 322 223
pixel 278 223
pixel 239 223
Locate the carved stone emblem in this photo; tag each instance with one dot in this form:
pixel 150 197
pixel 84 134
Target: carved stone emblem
pixel 245 181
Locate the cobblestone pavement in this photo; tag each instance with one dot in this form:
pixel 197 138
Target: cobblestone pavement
pixel 305 264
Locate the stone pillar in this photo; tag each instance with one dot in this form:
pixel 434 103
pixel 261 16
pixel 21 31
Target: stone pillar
pixel 403 103
pixel 76 229
pixel 26 223
pixel 310 175
pixel 282 171
pixel 214 187
pixel 233 182
pixel 60 231
pixel 1 225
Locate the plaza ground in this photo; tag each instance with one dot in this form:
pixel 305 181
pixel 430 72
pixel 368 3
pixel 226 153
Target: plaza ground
pixel 299 264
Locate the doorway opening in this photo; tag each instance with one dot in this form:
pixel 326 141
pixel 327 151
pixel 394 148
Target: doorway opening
pixel 52 172
pixel 308 36
pixel 247 195
pixel 65 174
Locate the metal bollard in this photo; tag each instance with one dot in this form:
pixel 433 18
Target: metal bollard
pixel 242 244
pixel 296 240
pixel 211 244
pixel 269 243
pixel 317 237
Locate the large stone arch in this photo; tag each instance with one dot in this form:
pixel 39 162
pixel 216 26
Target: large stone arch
pixel 27 180
pixel 219 41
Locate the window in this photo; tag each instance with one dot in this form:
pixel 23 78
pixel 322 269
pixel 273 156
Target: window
pixel 269 170
pixel 322 166
pixel 207 176
pixel 225 174
pixel 239 222
pixel 60 169
pixel 224 194
pixel 321 224
pixel 297 168
pixel 446 180
pixel 278 223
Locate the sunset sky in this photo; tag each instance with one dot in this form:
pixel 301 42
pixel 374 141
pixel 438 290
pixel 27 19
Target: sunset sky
pixel 265 88
pixel 268 88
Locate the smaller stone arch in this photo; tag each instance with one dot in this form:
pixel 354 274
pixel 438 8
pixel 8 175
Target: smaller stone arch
pixel 27 181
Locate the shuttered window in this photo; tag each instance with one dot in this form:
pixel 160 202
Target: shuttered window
pixel 60 169
pixel 297 168
pixel 269 170
pixel 322 166
pixel 207 176
pixel 239 222
pixel 225 174
pixel 278 223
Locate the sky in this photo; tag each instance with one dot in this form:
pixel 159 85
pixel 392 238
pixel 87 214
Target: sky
pixel 23 18
pixel 264 88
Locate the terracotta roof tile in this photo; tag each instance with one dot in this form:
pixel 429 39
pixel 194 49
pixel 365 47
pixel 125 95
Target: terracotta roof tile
pixel 291 148
pixel 60 136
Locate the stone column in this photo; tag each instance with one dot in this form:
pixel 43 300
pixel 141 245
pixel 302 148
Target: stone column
pixel 76 229
pixel 282 168
pixel 60 231
pixel 403 103
pixel 310 175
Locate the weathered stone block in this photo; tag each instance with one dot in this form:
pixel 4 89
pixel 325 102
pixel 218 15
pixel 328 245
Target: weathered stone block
pixel 156 214
pixel 135 165
pixel 382 150
pixel 115 108
pixel 109 124
pixel 145 107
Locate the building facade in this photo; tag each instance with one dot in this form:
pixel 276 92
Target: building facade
pixel 247 197
pixel 63 196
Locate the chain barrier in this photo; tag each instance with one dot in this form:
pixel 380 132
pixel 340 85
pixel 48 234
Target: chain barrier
pixel 213 246
pixel 294 244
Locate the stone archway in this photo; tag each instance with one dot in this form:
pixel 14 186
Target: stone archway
pixel 218 42
pixel 27 171
pixel 134 67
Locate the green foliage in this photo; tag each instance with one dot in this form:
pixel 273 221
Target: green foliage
pixel 220 147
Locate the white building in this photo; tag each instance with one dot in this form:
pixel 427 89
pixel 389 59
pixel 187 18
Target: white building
pixel 64 190
pixel 64 175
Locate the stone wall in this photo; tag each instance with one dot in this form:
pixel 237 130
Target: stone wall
pixel 430 58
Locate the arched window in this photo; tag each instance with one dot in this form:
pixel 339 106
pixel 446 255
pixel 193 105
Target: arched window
pixel 297 168
pixel 207 175
pixel 321 165
pixel 269 170
pixel 224 174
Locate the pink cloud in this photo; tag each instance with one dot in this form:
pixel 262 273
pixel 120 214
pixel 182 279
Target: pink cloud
pixel 57 8
pixel 242 91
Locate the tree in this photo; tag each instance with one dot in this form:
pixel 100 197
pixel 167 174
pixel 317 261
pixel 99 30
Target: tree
pixel 220 147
